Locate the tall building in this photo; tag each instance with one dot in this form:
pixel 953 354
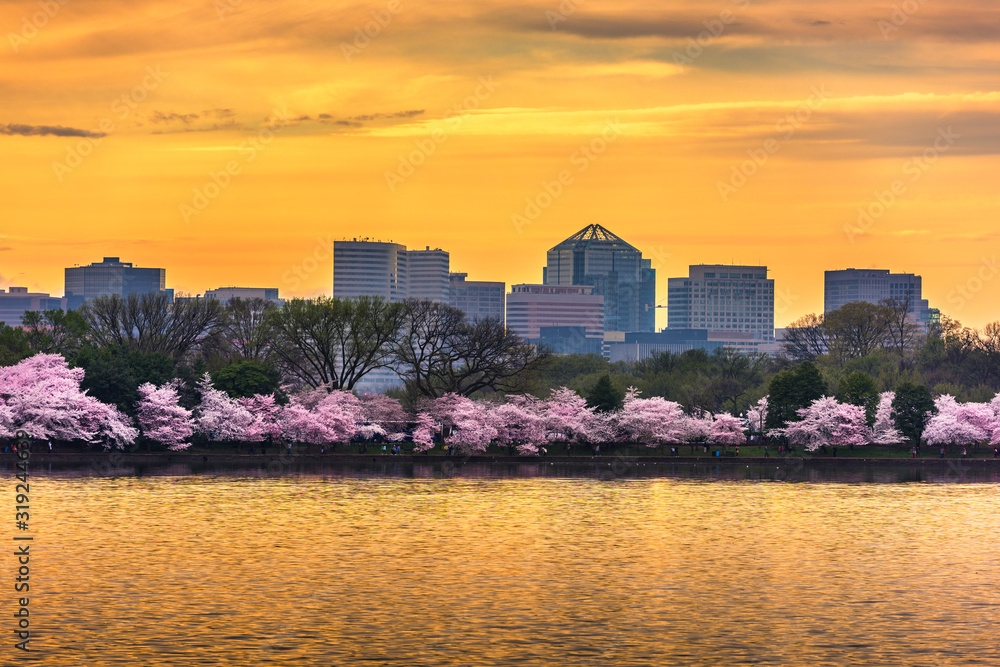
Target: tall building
pixel 16 300
pixel 875 285
pixel 428 275
pixel 224 294
pixel 109 277
pixel 478 299
pixel 734 303
pixel 369 268
pixel 567 317
pixel 616 270
pixel 389 270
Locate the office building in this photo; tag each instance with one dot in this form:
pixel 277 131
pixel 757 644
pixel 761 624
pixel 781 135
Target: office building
pixel 111 277
pixel 875 285
pixel 735 304
pixel 616 270
pixel 563 311
pixel 389 270
pixel 636 346
pixel 16 300
pixel 224 294
pixel 428 275
pixel 478 299
pixel 369 268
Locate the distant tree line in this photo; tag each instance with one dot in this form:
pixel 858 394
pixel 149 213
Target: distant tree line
pixel 256 347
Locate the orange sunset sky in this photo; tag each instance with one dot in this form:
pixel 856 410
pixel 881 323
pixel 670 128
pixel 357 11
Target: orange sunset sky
pixel 702 132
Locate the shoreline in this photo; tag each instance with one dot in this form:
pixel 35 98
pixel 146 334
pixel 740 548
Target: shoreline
pixel 432 466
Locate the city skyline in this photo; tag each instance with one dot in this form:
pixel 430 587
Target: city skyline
pixel 228 140
pixel 781 297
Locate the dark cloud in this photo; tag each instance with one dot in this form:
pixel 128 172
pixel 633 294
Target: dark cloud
pixel 43 130
pixel 378 116
pixel 170 117
pixel 4 249
pixel 820 23
pixel 324 116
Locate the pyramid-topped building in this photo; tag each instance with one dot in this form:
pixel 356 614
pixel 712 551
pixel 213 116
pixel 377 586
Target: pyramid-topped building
pixel 596 256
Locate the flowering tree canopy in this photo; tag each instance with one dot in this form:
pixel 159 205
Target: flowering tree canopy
pixel 884 431
pixel 161 416
pixel 220 417
pixel 957 423
pixel 653 421
pixel 727 430
pixel 828 422
pixel 41 395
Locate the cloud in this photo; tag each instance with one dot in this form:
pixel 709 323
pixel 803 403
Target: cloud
pixel 45 130
pixel 170 117
pixel 399 114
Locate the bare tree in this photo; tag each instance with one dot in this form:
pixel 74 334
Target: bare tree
pixel 806 338
pixel 438 351
pixel 902 326
pixel 335 342
pixel 248 328
pixel 150 322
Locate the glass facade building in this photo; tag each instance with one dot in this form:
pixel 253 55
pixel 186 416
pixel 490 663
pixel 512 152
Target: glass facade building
pixel 109 277
pixel 478 299
pixel 616 270
pixel 736 303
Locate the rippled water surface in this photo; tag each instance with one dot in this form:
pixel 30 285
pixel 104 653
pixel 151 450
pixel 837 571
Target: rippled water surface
pixel 314 571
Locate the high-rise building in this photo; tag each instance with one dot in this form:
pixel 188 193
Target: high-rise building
pixel 389 270
pixel 224 294
pixel 478 299
pixel 595 256
pixel 428 275
pixel 734 303
pixel 16 300
pixel 369 268
pixel 874 285
pixel 110 277
pixel 554 312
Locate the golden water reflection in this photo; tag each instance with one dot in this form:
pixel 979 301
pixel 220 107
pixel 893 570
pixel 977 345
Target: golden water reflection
pixel 311 571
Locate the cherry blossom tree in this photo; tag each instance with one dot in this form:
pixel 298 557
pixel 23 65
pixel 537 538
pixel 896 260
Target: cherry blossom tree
pixel 727 430
pixel 698 427
pixel 472 431
pixel 827 422
pixel 757 416
pixel 423 434
pixel 383 410
pixel 567 417
pixel 335 417
pixel 884 431
pixel 520 422
pixel 956 424
pixel 220 417
pixel 267 417
pixel 41 395
pixel 161 416
pixel 652 421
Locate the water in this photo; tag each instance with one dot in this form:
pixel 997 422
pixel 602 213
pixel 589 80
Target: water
pixel 307 570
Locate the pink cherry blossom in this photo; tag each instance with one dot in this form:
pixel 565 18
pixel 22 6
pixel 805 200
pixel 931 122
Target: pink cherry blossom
pixel 41 395
pixel 161 416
